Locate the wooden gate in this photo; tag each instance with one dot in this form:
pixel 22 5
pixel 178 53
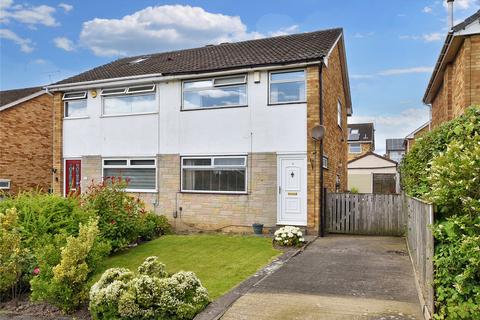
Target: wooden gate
pixel 365 213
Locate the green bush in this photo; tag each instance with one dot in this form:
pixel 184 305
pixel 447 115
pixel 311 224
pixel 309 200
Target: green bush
pixel 42 215
pixel 123 219
pixel 150 294
pixel 64 284
pixel 444 167
pixel 14 258
pixel 415 166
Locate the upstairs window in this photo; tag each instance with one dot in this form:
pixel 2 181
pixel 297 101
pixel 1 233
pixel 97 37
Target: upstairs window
pixel 339 113
pixel 287 87
pixel 354 148
pixel 131 100
pixel 75 104
pixel 139 173
pixel 215 93
pixel 214 174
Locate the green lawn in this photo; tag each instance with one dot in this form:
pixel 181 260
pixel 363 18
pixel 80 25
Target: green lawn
pixel 220 261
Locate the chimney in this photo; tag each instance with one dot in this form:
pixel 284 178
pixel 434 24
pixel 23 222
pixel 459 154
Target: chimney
pixel 450 14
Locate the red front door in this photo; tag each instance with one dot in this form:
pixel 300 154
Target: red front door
pixel 72 176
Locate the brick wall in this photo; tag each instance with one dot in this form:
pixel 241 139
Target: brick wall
pixel 461 83
pixel 58 143
pixel 335 140
pixel 364 147
pixel 26 144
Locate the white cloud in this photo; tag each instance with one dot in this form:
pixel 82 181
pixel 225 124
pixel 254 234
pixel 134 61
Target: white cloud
pixel 462 4
pixel 25 44
pixel 427 37
pixel 427 9
pixel 284 31
pixel 24 13
pixel 393 72
pixel 40 61
pixel 64 43
pixel 66 7
pixel 434 36
pixel 165 27
pixel 360 35
pixel 395 125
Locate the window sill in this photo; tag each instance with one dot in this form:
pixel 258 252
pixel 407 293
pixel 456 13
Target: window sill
pixel 216 192
pixel 76 118
pixel 140 191
pixel 127 114
pixel 286 103
pixel 214 108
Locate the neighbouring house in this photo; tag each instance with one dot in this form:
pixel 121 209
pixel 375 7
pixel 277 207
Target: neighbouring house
pixel 410 139
pixel 372 173
pixel 26 140
pixel 394 149
pixel 455 81
pixel 214 138
pixel 361 139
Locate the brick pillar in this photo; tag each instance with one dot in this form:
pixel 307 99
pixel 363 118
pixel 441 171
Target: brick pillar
pixel 57 179
pixel 313 167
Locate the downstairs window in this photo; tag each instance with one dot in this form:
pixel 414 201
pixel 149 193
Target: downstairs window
pixel 140 174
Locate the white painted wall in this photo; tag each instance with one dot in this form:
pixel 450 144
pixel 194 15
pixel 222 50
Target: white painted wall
pixel 257 128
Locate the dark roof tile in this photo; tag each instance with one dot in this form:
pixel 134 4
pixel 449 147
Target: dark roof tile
pixel 365 132
pixel 296 48
pixel 9 96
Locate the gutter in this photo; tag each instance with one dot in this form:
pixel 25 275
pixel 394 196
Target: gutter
pixel 321 227
pixel 159 77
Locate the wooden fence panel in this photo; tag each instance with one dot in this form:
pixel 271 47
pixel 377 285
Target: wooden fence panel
pixel 421 248
pixel 375 214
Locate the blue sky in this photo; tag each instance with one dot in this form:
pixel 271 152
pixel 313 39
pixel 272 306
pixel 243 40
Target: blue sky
pixel 391 45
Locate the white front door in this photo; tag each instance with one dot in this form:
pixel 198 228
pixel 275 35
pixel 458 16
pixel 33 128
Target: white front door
pixel 292 190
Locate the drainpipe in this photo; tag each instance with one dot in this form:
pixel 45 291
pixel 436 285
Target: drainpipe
pixel 321 232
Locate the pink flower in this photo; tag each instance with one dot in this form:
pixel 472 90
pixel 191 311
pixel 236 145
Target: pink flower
pixel 36 271
pixel 113 222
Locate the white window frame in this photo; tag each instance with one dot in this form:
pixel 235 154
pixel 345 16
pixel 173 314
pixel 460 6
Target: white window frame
pixel 66 99
pixel 212 166
pixel 350 150
pixel 130 166
pixel 9 184
pixel 339 113
pixel 213 79
pixel 325 162
pixel 127 91
pixel 286 81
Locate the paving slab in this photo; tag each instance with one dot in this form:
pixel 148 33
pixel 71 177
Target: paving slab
pixel 337 277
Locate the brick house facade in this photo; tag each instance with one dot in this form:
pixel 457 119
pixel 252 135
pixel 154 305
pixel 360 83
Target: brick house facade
pixel 455 82
pixel 272 132
pixel 361 139
pixel 26 139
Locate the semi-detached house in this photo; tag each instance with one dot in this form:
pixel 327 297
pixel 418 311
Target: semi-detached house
pixel 217 137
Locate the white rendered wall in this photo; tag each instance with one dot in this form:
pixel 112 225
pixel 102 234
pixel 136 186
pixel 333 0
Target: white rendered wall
pixel 257 128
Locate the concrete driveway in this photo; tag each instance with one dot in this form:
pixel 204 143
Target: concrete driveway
pixel 337 277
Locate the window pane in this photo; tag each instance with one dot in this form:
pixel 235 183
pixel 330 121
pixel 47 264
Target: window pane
pixel 282 76
pixel 229 161
pixel 197 84
pixel 287 92
pixel 129 104
pixel 137 178
pixel 115 162
pixel 217 97
pixel 226 180
pixel 113 91
pixel 75 108
pixel 197 162
pixel 355 147
pixel 75 95
pixel 142 162
pixel 229 80
pixel 141 89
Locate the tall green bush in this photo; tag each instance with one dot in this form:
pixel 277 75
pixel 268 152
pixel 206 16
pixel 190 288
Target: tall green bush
pixel 444 167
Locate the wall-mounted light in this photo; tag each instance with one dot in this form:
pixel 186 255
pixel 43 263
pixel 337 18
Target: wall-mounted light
pixel 93 93
pixel 256 76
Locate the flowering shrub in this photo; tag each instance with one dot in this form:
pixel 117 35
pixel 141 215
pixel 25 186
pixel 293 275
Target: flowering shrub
pixel 64 285
pixel 123 219
pixel 289 236
pixel 150 294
